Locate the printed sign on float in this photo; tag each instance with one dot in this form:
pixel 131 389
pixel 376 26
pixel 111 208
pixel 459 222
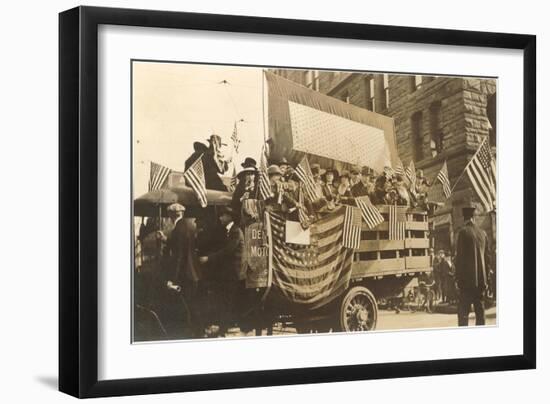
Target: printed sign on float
pixel 257 252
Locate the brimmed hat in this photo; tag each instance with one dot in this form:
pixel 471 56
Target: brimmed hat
pixel 274 170
pixel 345 174
pixel 217 137
pixel 175 207
pixel 245 170
pixel 283 162
pixel 355 170
pixel 249 162
pixel 366 170
pixel 334 172
pixel 316 169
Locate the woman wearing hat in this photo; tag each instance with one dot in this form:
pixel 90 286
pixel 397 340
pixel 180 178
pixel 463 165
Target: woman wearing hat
pixel 343 192
pixel 329 187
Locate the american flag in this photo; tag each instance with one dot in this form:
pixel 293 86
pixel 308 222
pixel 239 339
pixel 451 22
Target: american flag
pixel 312 275
pixel 263 183
pixel 195 179
pixel 443 177
pixel 399 169
pixel 158 174
pixel 233 183
pixel 397 219
pixel 352 228
pixel 235 139
pixel 303 171
pixel 410 173
pixel 302 213
pixel 482 172
pixel 371 214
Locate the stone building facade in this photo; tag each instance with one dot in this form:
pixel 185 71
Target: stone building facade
pixel 437 119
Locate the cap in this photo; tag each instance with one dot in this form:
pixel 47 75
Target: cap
pixel 175 207
pixel 274 170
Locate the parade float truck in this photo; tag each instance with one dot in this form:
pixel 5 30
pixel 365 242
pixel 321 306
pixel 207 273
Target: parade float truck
pixel 312 279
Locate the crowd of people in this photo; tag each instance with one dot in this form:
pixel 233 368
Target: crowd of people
pixel 332 188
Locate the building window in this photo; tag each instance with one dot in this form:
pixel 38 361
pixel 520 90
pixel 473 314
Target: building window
pixel 436 133
pixel 386 87
pixel 415 82
pixel 416 136
pixel 372 98
pixel 313 79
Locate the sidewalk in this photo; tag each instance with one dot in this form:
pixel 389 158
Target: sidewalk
pixel 446 308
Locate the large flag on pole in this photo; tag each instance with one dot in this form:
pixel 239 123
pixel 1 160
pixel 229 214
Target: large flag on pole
pixel 482 173
pixel 158 175
pixel 233 183
pixel 443 177
pixel 399 169
pixel 410 173
pixel 195 179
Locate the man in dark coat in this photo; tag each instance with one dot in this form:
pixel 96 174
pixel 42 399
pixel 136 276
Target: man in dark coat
pixel 230 270
pixel 471 274
pixel 198 150
pixel 214 164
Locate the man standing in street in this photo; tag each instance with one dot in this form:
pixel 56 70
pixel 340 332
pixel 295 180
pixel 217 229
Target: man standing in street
pixel 471 275
pixel 230 270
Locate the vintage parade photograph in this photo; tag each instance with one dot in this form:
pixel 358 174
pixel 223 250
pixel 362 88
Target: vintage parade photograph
pixel 273 201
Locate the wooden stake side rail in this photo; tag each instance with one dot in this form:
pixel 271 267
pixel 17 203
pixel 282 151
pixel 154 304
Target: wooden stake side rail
pixel 391 266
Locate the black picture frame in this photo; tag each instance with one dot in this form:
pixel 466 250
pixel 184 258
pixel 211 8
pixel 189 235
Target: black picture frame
pixel 78 196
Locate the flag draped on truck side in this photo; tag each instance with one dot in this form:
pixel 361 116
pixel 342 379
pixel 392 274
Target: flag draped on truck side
pixel 315 274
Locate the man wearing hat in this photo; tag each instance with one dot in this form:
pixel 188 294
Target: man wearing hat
pixel 355 175
pixel 246 187
pixel 181 269
pixel 364 186
pixel 229 269
pixel 472 256
pixel 283 199
pixel 284 166
pixel 214 164
pixel 198 150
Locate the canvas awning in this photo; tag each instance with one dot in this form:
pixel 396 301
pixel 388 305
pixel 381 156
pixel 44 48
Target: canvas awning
pixel 331 132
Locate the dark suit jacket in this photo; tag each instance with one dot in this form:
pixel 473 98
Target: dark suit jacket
pixel 180 245
pixel 228 262
pixel 472 256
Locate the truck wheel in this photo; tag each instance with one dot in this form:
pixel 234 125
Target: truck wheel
pixel 358 311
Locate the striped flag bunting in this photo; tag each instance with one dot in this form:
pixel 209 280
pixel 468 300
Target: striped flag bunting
pixel 370 213
pixel 158 174
pixel 302 214
pixel 194 177
pixel 263 183
pixel 311 275
pixel 233 183
pixel 443 177
pixel 389 171
pixel 397 219
pixel 235 139
pixel 303 171
pixel 483 175
pixel 352 228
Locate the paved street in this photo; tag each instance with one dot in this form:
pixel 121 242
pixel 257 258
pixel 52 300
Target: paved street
pixel 389 320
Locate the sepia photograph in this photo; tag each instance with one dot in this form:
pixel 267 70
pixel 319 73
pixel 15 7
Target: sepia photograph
pixel 273 201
